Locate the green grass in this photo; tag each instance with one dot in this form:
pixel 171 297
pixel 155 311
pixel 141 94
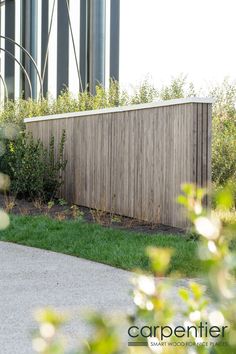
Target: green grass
pixel 117 248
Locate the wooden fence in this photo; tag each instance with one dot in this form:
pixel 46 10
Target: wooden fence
pixel 132 160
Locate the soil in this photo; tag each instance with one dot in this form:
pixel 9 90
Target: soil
pixel 60 210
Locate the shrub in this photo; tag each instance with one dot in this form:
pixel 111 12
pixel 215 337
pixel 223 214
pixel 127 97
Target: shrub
pixel 224 151
pixel 224 135
pixel 178 88
pixel 35 172
pixel 144 93
pixel 224 96
pixel 16 111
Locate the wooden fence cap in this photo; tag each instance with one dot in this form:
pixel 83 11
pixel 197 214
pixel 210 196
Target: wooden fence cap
pixel 154 104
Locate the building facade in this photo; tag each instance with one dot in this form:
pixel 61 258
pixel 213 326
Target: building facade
pixel 49 45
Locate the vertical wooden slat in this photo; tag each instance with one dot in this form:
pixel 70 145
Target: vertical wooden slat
pixel 209 147
pixel 204 144
pixel 194 143
pixel 199 146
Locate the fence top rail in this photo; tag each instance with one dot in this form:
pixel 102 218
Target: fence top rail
pixel 154 104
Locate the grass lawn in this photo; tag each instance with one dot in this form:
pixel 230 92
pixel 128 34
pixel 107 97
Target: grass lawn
pixel 91 241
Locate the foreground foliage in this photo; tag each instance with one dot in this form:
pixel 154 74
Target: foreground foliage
pixel 153 307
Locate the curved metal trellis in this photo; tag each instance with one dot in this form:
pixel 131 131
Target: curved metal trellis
pixel 41 77
pixel 32 60
pixel 5 87
pixel 22 67
pixel 72 38
pixel 73 43
pixel 49 34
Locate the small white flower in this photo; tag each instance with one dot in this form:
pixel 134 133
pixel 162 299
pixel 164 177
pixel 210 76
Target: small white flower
pixel 146 285
pixel 47 330
pixel 198 208
pixel 149 306
pixel 209 228
pixel 139 299
pixel 195 316
pixel 212 247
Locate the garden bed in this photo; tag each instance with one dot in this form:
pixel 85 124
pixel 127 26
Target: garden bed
pixel 60 210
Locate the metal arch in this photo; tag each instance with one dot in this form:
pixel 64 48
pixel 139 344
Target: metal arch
pixel 31 58
pixel 22 67
pixel 5 87
pixel 73 43
pixel 49 34
pixel 41 77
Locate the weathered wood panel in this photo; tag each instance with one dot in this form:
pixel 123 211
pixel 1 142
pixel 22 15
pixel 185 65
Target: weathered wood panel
pixel 132 161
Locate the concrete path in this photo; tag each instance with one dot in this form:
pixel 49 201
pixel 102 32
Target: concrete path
pixel 31 278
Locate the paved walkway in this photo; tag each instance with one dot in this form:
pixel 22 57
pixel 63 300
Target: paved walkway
pixel 31 278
